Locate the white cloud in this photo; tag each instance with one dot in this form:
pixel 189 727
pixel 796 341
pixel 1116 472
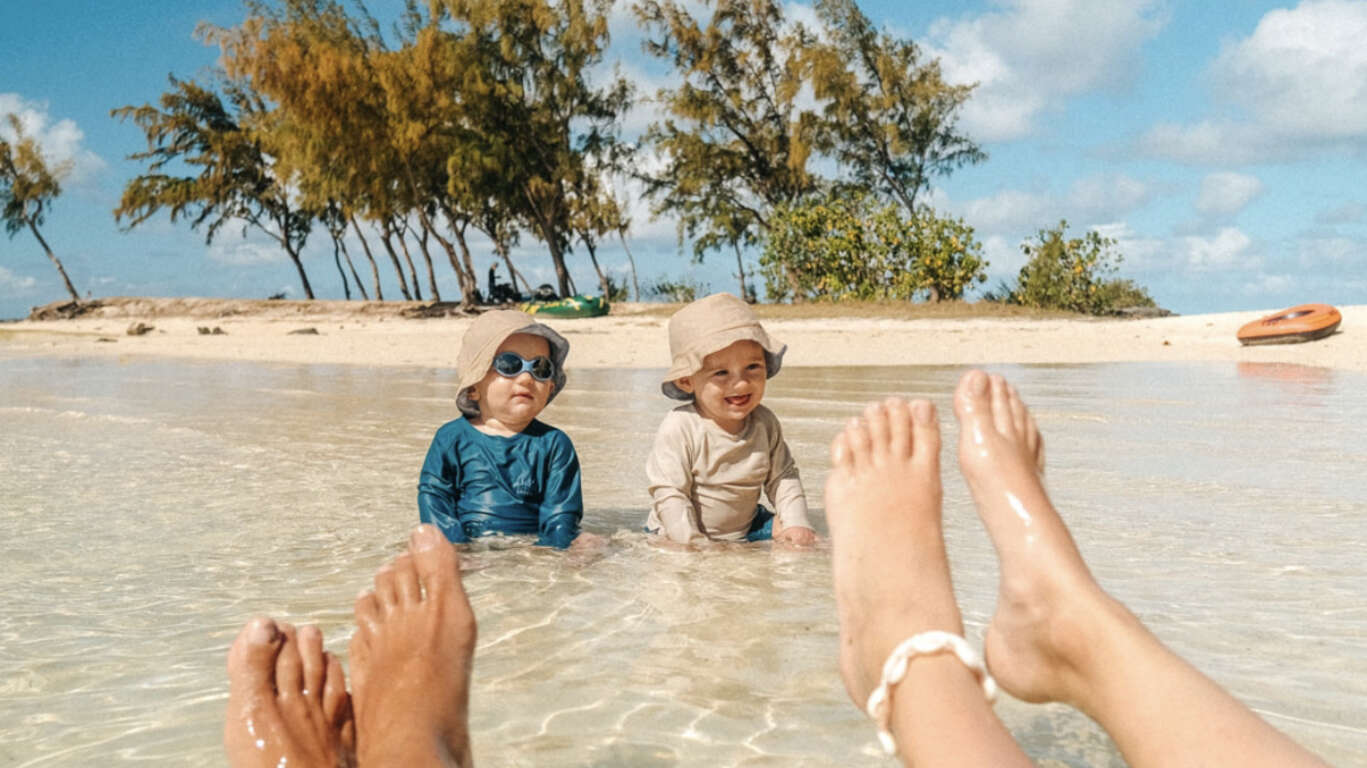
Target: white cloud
pixel 1348 213
pixel 15 285
pixel 1032 55
pixel 1331 253
pixel 1225 194
pixel 1303 71
pixel 1101 197
pixel 245 253
pixel 1268 285
pixel 60 142
pixel 1300 81
pixel 1226 249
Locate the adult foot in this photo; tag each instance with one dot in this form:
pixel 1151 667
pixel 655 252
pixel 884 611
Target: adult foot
pixel 287 700
pixel 883 500
pixel 411 659
pixel 1037 640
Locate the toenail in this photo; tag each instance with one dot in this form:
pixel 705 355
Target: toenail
pixel 261 632
pixel 921 410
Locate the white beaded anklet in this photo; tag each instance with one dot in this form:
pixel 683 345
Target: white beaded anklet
pixel 895 668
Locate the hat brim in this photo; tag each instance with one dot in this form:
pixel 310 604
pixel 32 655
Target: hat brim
pixel 691 361
pixel 559 349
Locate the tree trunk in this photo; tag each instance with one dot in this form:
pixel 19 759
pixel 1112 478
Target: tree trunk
pixel 337 259
pixel 299 265
pixel 562 275
pixel 501 248
pixel 635 286
pixel 602 279
pixel 385 232
pixel 374 269
pixel 427 257
pixel 468 300
pixel 359 286
pixel 740 271
pixel 71 289
pixel 399 232
pixel 467 282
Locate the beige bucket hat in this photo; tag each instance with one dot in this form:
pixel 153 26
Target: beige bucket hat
pixel 712 324
pixel 481 340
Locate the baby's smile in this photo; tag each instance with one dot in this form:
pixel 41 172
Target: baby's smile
pixel 738 400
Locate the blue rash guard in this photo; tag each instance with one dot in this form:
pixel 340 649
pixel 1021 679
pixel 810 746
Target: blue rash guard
pixel 473 484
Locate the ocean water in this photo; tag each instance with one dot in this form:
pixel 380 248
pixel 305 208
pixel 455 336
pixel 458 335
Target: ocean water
pixel 148 509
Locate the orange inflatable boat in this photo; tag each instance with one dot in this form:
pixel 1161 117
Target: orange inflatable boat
pixel 1306 322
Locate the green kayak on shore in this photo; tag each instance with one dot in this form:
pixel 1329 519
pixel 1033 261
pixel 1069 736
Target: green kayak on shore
pixel 573 306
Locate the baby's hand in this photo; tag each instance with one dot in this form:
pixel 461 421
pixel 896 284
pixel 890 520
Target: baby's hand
pixel 797 537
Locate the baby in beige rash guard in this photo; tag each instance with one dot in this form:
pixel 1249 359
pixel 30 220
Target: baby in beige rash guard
pixel 714 455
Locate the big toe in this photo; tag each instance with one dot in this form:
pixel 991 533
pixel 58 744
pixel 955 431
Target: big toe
pixel 972 398
pixel 252 657
pixel 435 560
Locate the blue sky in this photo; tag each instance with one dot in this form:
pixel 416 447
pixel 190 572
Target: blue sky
pixel 1220 143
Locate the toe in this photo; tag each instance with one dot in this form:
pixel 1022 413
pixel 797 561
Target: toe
pixel 434 560
pixel 857 438
pixel 840 451
pixel 251 660
pixel 336 702
pixel 289 667
pixel 1020 415
pixel 876 419
pixel 925 433
pixel 970 397
pixel 313 661
pixel 899 427
pixel 406 580
pixel 1001 406
pixel 386 589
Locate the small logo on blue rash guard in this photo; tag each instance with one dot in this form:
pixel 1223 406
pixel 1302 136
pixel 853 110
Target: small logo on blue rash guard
pixel 522 485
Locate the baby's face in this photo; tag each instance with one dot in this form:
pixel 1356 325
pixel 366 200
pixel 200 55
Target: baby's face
pixel 509 404
pixel 730 384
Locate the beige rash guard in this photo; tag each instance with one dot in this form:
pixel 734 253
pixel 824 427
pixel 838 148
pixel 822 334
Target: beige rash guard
pixel 705 482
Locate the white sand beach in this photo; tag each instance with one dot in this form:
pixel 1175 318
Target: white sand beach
pixel 634 336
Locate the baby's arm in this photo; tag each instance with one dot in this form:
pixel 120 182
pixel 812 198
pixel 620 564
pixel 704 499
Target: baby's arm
pixel 784 488
pixel 562 502
pixel 669 469
pixel 439 487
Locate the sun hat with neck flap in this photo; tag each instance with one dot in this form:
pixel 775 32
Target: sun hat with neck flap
pixel 710 325
pixel 481 341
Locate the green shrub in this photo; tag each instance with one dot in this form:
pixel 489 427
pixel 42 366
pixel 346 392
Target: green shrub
pixel 849 247
pixel 1072 275
pixel 681 290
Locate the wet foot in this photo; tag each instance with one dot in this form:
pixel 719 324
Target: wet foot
pixel 1037 643
pixel 287 700
pixel 411 659
pixel 883 504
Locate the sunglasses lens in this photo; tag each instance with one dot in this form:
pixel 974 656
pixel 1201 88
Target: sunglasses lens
pixel 542 369
pixel 508 364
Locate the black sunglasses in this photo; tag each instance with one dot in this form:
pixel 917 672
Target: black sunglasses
pixel 511 365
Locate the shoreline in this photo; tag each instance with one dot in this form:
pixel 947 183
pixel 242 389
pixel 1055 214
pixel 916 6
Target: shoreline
pixel 635 336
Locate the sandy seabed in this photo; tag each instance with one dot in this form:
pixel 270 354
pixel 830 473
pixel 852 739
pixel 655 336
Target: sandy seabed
pixel 635 336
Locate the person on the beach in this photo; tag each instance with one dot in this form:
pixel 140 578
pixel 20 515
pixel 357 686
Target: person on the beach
pixel 411 659
pixel 714 455
pixel 1055 636
pixel 498 470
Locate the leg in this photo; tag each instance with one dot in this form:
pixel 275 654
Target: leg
pixel 1056 636
pixel 892 581
pixel 411 660
pixel 287 700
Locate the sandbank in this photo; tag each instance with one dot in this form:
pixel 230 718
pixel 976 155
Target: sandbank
pixel 635 336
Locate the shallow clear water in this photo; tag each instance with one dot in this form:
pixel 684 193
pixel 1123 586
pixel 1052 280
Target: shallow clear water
pixel 147 509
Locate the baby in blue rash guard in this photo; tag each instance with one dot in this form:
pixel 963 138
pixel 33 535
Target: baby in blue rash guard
pixel 497 469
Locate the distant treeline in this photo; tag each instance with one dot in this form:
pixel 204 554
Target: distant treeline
pixel 501 117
